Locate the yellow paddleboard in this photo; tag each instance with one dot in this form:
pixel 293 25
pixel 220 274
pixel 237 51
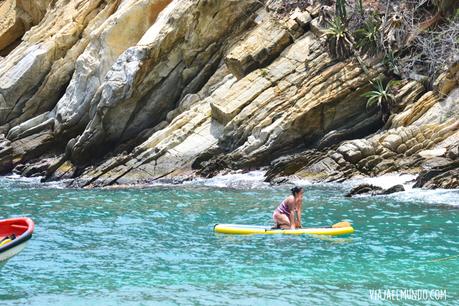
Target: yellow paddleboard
pixel 238 229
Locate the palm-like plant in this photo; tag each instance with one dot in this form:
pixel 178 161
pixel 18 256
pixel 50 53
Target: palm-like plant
pixel 339 39
pixel 381 96
pixel 367 37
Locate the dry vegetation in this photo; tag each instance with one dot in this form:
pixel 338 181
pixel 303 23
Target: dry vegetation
pixel 417 39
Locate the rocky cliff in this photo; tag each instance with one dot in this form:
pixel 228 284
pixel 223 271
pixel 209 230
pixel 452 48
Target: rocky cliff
pixel 132 91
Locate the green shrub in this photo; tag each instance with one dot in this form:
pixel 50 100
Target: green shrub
pixel 368 37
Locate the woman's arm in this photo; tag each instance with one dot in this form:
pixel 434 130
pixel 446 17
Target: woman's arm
pixel 292 204
pixel 300 204
pixel 292 220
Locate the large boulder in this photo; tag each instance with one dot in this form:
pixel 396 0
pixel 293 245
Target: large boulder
pixel 34 74
pixel 46 104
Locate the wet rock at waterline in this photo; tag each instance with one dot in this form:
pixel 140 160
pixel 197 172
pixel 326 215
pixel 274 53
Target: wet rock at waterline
pixel 373 190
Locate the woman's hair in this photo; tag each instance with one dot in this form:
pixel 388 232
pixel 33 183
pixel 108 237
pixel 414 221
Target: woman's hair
pixel 296 190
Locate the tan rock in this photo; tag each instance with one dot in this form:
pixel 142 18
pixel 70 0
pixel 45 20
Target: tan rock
pixel 408 94
pixel 261 46
pixel 402 148
pixel 226 107
pixel 303 18
pixel 414 111
pixel 413 149
pixel 432 153
pixel 32 73
pixel 448 80
pixel 420 138
pixel 392 142
pixel 174 57
pixel 17 17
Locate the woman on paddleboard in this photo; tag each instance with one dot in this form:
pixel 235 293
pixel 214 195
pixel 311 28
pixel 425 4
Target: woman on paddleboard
pixel 284 214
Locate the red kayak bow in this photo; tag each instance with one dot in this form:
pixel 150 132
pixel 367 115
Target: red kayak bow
pixel 14 234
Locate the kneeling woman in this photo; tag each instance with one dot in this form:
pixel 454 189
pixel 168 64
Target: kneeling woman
pixel 284 214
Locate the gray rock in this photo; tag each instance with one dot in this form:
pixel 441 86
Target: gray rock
pixel 374 190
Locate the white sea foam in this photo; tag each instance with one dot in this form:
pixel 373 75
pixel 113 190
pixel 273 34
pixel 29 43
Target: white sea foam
pixel 30 182
pixel 410 195
pixel 385 181
pixel 436 197
pixel 255 180
pixel 238 179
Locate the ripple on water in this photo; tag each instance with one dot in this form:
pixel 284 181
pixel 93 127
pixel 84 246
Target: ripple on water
pixel 156 244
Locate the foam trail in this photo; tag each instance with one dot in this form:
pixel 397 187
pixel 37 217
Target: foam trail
pixel 15 180
pixel 248 180
pixel 435 197
pixel 411 195
pixel 385 181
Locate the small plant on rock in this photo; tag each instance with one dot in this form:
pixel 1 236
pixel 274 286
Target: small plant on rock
pixel 339 40
pixel 381 96
pixel 367 37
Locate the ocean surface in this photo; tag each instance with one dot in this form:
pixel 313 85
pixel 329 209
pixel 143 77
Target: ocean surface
pixel 156 245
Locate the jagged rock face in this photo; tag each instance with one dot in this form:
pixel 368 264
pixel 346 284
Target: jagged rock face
pixel 420 133
pixel 294 101
pixel 121 30
pixel 174 57
pixel 82 38
pixel 35 74
pixel 255 107
pixel 115 92
pixel 259 48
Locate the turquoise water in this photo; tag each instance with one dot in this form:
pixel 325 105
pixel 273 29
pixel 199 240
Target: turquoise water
pixel 156 246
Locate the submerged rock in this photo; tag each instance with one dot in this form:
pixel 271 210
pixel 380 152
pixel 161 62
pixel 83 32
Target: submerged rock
pixel 363 189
